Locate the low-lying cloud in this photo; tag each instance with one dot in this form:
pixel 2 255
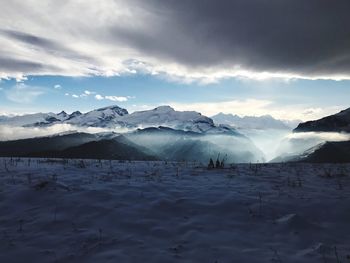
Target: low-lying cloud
pixel 8 132
pixel 297 143
pixel 322 136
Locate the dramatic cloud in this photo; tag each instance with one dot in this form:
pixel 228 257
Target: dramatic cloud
pixel 201 40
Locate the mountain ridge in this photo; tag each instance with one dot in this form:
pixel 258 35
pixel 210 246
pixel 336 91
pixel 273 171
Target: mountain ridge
pixel 339 122
pixel 114 116
pixel 250 122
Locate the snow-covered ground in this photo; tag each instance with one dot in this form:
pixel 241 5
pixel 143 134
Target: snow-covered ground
pixel 101 211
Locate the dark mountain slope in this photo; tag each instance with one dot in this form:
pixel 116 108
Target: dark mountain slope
pixel 118 148
pixel 330 152
pixel 170 144
pixel 339 122
pixel 40 144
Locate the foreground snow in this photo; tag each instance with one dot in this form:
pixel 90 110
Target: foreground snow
pixel 93 211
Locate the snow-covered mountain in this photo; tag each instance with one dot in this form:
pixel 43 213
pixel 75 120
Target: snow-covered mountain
pixel 31 119
pixel 250 122
pixel 116 117
pixel 103 117
pixel 168 117
pixel 62 115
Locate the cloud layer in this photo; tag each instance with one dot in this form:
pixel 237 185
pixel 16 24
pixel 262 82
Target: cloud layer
pixel 190 40
pixel 297 143
pixel 9 132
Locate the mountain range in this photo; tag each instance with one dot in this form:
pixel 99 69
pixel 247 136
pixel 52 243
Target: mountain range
pixel 252 122
pixel 158 134
pixel 116 117
pixel 160 143
pixel 166 134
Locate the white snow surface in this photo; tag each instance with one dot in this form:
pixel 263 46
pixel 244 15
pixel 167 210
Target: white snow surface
pixel 54 210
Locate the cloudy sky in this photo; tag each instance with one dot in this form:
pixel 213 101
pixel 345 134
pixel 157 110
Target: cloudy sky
pixel 287 58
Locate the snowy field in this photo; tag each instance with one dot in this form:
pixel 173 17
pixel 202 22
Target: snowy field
pixel 93 211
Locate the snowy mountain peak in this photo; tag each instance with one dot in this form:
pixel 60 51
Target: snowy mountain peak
pixel 114 108
pixel 164 108
pixel 62 113
pixel 102 117
pixel 75 113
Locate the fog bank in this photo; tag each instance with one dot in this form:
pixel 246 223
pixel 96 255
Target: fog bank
pixel 8 132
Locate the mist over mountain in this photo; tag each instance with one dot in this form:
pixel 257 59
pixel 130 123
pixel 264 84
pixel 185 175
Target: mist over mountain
pixel 261 130
pixel 326 152
pixel 161 143
pixel 323 140
pixel 158 134
pixel 115 145
pixel 250 122
pixel 180 145
pixel 163 133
